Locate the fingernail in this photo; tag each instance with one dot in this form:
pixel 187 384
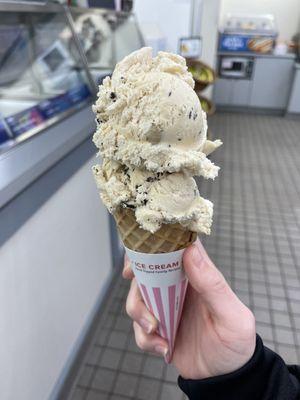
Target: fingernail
pixel 146 325
pixel 197 257
pixel 167 357
pixel 163 351
pixel 127 268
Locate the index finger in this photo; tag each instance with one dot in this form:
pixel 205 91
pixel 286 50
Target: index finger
pixel 127 271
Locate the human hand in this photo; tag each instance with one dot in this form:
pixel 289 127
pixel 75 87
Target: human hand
pixel 216 334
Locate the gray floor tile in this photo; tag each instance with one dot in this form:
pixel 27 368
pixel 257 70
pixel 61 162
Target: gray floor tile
pixel 103 380
pixel 148 389
pixel 117 339
pixel 259 288
pixel 262 316
pixel 109 321
pixel 270 344
pixel 261 301
pixel 153 367
pixel 132 346
pixel 102 335
pixel 123 324
pixel 297 322
pixel 78 394
pixel 132 363
pixel 277 291
pixel 85 376
pixel 279 305
pixel 126 384
pixel 265 331
pixel 93 355
pixel 110 358
pixel 93 395
pixel 284 336
pixel 281 319
pixel 171 374
pixel 295 306
pixel 288 354
pixel 170 391
pixel 294 294
pixel 276 279
pixel 243 296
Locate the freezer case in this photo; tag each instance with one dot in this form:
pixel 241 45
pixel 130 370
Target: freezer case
pixel 42 74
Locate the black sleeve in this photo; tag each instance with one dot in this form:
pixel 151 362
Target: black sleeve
pixel 264 377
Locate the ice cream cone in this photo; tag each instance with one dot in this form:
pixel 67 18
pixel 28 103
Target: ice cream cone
pixel 170 237
pixel 156 260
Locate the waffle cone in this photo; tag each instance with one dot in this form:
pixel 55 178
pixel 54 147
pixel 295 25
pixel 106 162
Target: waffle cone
pixel 170 237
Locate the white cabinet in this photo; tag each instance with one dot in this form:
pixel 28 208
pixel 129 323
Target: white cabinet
pixel 269 87
pixel 294 101
pixel 232 92
pixel 271 82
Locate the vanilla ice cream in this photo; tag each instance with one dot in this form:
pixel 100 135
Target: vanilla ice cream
pixel 157 198
pixel 149 116
pixel 151 135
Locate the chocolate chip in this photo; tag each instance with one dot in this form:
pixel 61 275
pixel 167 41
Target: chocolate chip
pixel 149 179
pixel 195 116
pixel 128 206
pixel 169 145
pixel 170 94
pixel 190 114
pixel 179 139
pixel 112 95
pixel 145 201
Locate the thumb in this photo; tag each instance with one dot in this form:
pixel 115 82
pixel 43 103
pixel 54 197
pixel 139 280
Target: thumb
pixel 210 284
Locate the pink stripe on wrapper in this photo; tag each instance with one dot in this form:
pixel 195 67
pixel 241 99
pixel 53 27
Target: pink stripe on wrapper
pixel 181 301
pixel 160 309
pixel 171 292
pixel 146 297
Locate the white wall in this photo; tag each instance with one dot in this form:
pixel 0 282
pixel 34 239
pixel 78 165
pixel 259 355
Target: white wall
pixel 172 18
pixel 287 12
pixel 51 275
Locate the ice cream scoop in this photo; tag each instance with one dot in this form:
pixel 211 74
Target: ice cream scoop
pixel 149 116
pixel 156 198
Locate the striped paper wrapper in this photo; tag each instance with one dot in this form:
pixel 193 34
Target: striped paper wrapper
pixel 163 285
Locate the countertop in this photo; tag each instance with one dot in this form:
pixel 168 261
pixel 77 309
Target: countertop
pixel 256 55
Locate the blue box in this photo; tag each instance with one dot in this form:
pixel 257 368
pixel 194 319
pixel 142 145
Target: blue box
pixel 245 43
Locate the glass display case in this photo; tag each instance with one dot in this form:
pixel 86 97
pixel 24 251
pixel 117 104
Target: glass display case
pixel 51 59
pixel 106 37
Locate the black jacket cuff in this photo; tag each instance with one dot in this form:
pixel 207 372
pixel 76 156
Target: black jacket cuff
pixel 265 376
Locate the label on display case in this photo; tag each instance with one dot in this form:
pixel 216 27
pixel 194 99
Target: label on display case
pixel 78 93
pixel 56 105
pixel 3 133
pixel 24 121
pixel 34 116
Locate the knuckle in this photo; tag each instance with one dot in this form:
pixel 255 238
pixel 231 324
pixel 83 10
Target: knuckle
pixel 140 340
pixel 129 307
pixel 217 282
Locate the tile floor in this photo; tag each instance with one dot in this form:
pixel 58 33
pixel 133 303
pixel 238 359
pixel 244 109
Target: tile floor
pixel 255 242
